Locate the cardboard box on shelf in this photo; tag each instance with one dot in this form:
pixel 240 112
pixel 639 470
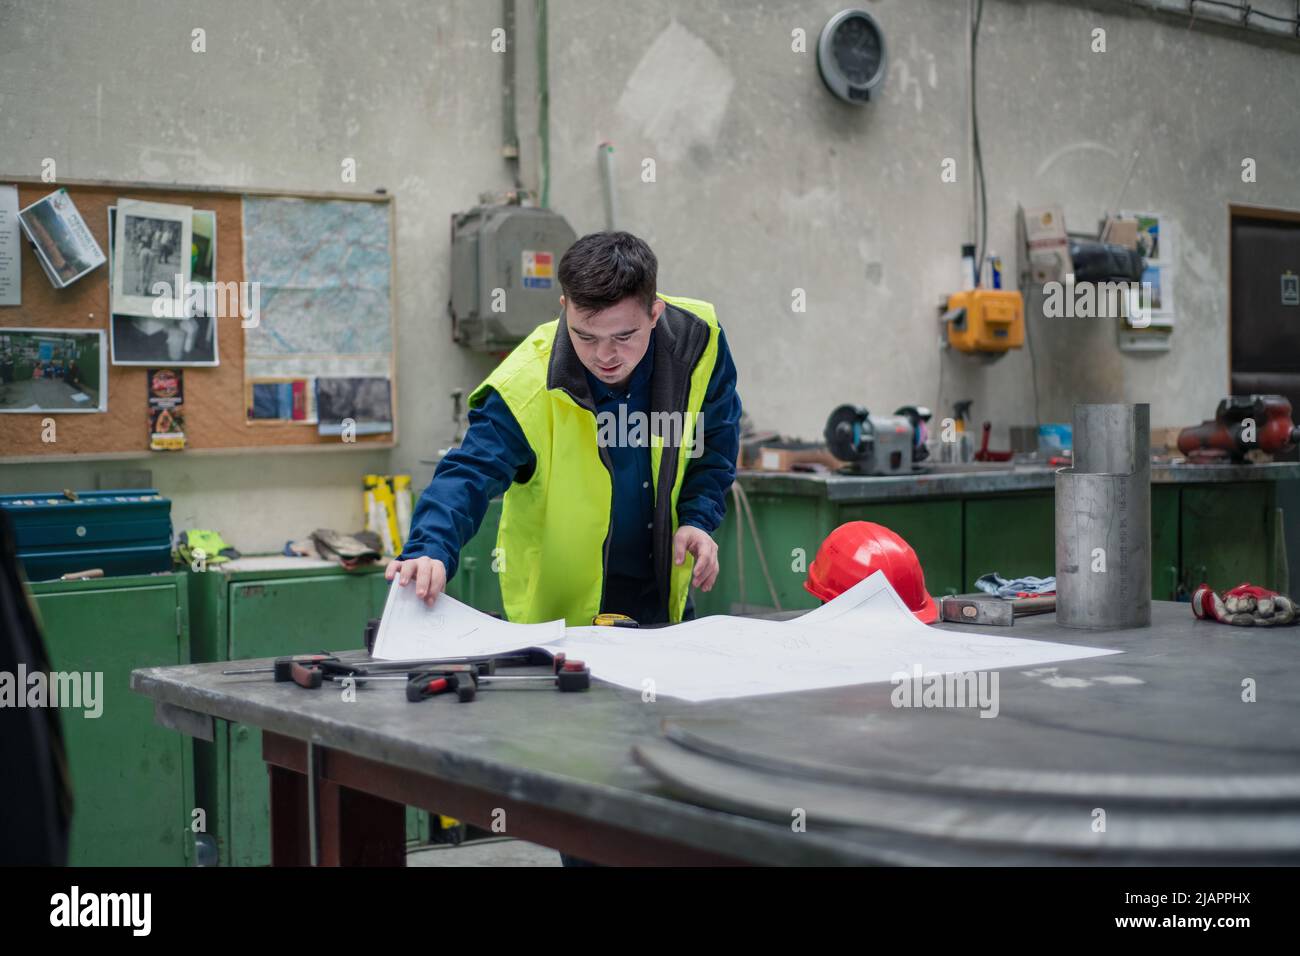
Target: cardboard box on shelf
pixel 785 456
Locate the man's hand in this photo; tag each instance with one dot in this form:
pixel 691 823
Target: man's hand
pixel 429 574
pixel 697 542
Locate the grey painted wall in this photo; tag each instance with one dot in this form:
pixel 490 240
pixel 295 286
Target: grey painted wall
pixel 763 183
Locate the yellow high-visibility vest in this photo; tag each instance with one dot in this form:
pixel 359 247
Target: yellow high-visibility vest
pixel 555 527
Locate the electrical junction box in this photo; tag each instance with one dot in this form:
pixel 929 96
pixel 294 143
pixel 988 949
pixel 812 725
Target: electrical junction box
pixel 505 262
pixel 986 320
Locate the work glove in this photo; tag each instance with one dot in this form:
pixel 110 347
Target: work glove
pixel 1246 605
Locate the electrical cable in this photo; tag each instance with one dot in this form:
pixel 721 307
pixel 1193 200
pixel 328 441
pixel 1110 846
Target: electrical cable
pixel 543 105
pixel 740 547
pixel 1244 10
pixel 981 247
pixel 762 561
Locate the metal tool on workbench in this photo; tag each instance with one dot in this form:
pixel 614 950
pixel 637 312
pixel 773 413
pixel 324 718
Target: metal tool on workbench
pixel 986 609
pixel 871 444
pixel 566 676
pixel 433 683
pixel 611 619
pixel 305 670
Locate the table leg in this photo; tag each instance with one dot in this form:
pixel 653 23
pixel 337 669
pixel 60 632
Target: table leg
pixel 355 828
pixel 290 841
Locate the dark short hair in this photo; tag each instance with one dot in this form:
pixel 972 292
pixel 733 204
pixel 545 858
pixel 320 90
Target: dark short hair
pixel 603 268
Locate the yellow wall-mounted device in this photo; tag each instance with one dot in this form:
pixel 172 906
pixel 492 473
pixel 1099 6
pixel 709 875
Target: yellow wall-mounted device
pixel 985 320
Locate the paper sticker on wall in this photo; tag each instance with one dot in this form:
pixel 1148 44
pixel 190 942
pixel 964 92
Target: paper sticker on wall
pixel 166 421
pixel 281 400
pixel 538 269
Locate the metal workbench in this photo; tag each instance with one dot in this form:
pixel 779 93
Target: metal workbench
pixel 1158 736
pixel 992 478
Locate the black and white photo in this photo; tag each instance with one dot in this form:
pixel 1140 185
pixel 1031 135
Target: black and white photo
pixel 191 341
pixel 151 247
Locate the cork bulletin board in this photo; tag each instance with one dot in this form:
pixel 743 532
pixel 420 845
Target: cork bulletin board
pixel 216 410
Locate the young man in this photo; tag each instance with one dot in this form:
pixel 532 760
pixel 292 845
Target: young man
pixel 613 432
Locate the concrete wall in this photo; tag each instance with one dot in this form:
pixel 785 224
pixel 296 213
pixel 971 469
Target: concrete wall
pixel 763 182
pixel 766 184
pixel 284 92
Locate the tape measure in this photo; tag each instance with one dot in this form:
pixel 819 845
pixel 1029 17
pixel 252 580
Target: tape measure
pixel 609 619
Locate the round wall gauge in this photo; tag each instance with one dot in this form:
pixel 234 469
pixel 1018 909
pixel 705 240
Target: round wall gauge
pixel 851 55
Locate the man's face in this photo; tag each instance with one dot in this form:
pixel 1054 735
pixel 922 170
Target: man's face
pixel 610 342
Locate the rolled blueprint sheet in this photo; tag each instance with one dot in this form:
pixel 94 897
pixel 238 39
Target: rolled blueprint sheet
pixel 1103 520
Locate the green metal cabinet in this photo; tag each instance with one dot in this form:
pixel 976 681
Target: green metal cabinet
pixel 241 614
pixel 1224 532
pixel 792 528
pixel 1014 535
pixel 1231 535
pixel 132 780
pixel 789 531
pixel 476 581
pixel 1166 502
pixel 932 528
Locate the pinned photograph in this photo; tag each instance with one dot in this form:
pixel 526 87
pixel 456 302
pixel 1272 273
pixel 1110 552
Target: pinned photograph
pixel 203 260
pixel 185 342
pixel 285 399
pixel 53 370
pixel 365 402
pixel 1156 279
pixel 192 341
pixel 1156 238
pixel 151 259
pixel 60 238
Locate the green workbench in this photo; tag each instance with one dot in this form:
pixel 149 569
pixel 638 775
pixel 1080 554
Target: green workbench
pixel 1220 524
pixel 132 780
pixel 1216 523
pixel 266 607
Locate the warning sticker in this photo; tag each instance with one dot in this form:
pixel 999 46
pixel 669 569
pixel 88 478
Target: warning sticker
pixel 538 269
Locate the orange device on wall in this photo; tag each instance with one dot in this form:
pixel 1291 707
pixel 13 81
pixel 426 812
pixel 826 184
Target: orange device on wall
pixel 985 320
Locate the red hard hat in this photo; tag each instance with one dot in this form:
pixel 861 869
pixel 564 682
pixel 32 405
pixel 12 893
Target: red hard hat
pixel 859 548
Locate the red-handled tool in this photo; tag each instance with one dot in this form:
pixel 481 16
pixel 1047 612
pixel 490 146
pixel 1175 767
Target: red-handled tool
pixel 305 670
pixel 433 683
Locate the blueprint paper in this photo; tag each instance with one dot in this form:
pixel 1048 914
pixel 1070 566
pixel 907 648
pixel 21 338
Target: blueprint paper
pixel 412 630
pixel 865 635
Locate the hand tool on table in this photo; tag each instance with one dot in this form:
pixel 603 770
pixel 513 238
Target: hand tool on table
pixel 82 575
pixel 1241 424
pixel 984 454
pixel 483 663
pixel 305 670
pixel 308 670
pixel 432 683
pixel 985 609
pixel 611 619
pixel 567 677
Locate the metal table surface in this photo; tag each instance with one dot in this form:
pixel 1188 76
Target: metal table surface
pixel 1166 709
